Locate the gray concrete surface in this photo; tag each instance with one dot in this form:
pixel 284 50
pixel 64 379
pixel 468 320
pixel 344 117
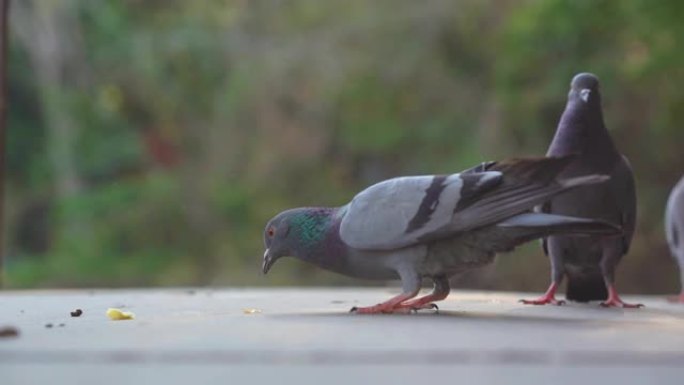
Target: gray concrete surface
pixel 307 336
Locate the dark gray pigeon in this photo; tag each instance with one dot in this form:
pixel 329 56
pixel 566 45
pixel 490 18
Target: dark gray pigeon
pixel 674 229
pixel 589 262
pixel 430 226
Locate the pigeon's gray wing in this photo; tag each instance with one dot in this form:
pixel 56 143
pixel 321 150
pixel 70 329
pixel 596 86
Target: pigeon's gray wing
pixel 624 191
pixel 400 212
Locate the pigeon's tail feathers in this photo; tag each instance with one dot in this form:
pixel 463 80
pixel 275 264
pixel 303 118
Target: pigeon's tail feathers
pixel 553 223
pixel 529 226
pixel 526 182
pixel 537 170
pixel 586 286
pixel 584 180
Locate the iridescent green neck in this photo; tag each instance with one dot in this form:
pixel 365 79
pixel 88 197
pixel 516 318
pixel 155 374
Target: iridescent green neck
pixel 311 226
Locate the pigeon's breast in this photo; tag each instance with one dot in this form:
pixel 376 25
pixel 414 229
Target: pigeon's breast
pixel 381 264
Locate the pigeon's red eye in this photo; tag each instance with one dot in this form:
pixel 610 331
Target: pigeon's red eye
pixel 271 231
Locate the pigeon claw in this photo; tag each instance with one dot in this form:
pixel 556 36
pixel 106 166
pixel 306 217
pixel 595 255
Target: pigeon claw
pixel 427 306
pixel 353 309
pixel 615 301
pixel 618 303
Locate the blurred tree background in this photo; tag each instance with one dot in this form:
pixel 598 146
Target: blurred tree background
pixel 150 141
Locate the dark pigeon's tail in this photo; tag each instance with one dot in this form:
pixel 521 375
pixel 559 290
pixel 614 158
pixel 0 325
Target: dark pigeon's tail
pixel 585 287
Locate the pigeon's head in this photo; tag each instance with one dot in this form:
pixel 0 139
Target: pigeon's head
pixel 294 233
pixel 276 239
pixel 585 88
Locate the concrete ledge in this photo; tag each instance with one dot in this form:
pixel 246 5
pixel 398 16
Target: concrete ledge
pixel 203 332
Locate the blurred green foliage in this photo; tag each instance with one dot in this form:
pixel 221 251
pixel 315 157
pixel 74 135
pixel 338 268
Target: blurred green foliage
pixel 149 141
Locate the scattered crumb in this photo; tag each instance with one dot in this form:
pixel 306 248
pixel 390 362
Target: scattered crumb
pixel 190 292
pixel 48 325
pixel 337 301
pixel 250 310
pixel 76 313
pixel 61 325
pixel 9 332
pixel 118 315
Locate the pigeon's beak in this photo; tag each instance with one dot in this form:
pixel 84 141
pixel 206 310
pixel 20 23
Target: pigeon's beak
pixel 584 94
pixel 268 262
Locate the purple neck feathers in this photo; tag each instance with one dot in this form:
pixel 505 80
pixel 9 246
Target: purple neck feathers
pixel 581 131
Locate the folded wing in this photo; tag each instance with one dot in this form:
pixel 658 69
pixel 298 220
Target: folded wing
pixel 400 212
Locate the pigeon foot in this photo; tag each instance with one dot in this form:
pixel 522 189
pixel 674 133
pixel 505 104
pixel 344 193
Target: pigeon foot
pixel 615 301
pixel 426 302
pixel 619 303
pixel 548 298
pixel 393 305
pixel 380 309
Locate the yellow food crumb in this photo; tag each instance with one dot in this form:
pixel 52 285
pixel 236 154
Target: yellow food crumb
pixel 118 315
pixel 251 311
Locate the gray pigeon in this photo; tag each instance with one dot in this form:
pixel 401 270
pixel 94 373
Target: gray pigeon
pixel 430 226
pixel 674 229
pixel 589 262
